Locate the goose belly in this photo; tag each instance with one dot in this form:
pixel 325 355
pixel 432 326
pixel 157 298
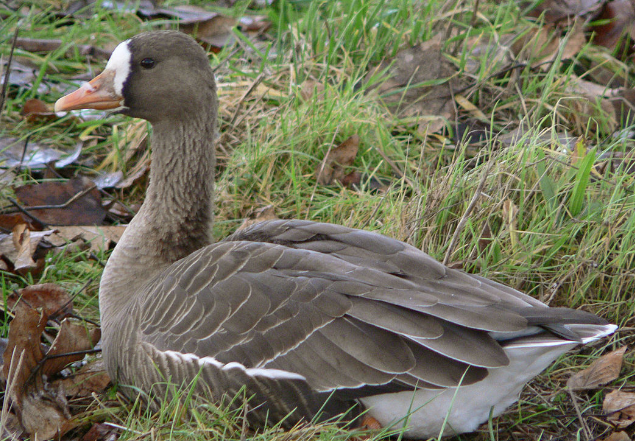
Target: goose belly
pixel 468 407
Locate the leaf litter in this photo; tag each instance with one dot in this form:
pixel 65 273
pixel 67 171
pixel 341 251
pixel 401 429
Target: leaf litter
pixel 36 387
pixel 602 371
pixel 418 82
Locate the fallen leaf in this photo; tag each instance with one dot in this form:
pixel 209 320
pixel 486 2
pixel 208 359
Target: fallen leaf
pixel 24 342
pixel 84 208
pixel 99 238
pixel 50 45
pixel 35 109
pixel 335 162
pixel 21 75
pixel 417 84
pixel 486 237
pixel 11 428
pixel 618 436
pixel 42 412
pixel 91 378
pixel 100 432
pixel 43 417
pixel 311 88
pixel 11 254
pixel 617 17
pixel 555 11
pixel 24 260
pixel 51 298
pixel 206 26
pixel 261 214
pixel 497 53
pixel 621 408
pixel 3 345
pixel 18 153
pixel 38 412
pixel 603 370
pixel 593 103
pixel 73 337
pixel 541 45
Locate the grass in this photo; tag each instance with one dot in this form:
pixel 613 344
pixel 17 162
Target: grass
pixel 557 222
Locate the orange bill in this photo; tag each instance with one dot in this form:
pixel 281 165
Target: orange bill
pixel 98 94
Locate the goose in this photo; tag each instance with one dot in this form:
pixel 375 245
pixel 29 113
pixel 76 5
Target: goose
pixel 310 321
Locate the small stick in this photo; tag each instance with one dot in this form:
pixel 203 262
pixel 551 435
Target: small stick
pixel 585 429
pixel 244 97
pixel 26 213
pixel 5 85
pixel 18 207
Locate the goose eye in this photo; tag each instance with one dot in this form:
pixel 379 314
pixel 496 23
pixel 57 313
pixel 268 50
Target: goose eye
pixel 147 63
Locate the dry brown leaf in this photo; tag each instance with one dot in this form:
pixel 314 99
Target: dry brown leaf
pixel 10 220
pixel 86 209
pixel 24 262
pixel 542 45
pixel 497 52
pixel 618 436
pixel 404 91
pixel 618 17
pixel 72 337
pixel 206 26
pixel 99 238
pixel 333 166
pixel 51 298
pixel 555 11
pixel 11 428
pixel 486 237
pixel 12 245
pixel 621 408
pixel 35 109
pixel 91 378
pixel 603 370
pixel 624 106
pixel 38 412
pixel 262 214
pixel 24 341
pixel 42 413
pixel 50 45
pixel 311 88
pixel 99 432
pixel 585 107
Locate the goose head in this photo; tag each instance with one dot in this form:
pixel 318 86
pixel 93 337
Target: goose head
pixel 157 76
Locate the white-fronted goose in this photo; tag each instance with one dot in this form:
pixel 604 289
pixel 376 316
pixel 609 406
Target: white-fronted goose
pixel 313 319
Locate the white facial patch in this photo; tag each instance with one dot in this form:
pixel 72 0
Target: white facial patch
pixel 120 63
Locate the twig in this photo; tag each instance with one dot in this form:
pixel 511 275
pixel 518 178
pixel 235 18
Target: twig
pixel 468 211
pixel 26 213
pixel 244 97
pixel 5 85
pixel 47 357
pixel 585 429
pixel 26 145
pixel 70 354
pixel 18 207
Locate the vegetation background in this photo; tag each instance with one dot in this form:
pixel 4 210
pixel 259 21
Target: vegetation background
pixel 494 135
